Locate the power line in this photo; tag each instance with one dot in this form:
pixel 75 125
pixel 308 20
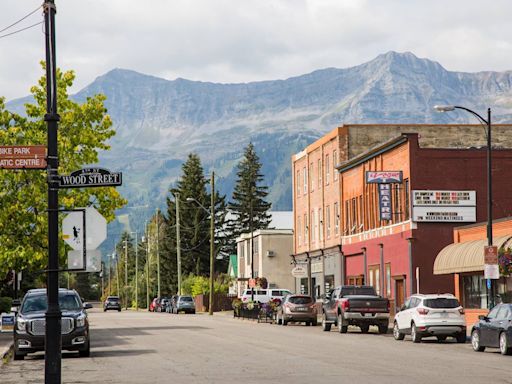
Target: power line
pixel 20 20
pixel 21 30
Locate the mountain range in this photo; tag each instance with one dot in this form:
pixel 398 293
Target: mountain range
pixel 158 121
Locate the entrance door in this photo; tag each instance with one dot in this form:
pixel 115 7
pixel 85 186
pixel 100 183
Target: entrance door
pixel 399 294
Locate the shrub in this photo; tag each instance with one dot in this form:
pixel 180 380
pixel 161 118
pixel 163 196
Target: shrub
pixel 5 304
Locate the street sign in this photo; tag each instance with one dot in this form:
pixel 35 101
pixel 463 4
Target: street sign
pixel 95 229
pixel 91 177
pixel 93 260
pixel 490 254
pixel 23 157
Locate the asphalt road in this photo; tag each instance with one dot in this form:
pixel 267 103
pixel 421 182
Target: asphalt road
pixel 141 347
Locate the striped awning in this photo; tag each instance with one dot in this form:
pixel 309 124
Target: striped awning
pixel 464 257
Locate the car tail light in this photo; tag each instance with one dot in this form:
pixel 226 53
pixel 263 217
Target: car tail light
pixel 461 311
pixel 422 311
pixel 345 305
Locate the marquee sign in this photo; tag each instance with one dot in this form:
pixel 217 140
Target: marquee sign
pixel 444 206
pixel 383 177
pixel 444 198
pixel 385 201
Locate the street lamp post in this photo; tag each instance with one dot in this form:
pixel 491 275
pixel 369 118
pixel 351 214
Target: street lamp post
pixel 126 273
pixel 178 240
pixel 487 123
pixel 212 238
pixel 136 270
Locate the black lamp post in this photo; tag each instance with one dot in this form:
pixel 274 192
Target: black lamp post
pixel 487 123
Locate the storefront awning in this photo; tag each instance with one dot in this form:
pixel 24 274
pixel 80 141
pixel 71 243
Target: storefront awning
pixel 464 257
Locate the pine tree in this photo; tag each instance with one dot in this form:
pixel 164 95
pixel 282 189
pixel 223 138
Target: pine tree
pixel 194 224
pixel 248 205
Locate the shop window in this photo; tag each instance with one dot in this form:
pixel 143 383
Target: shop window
pixel 304 286
pixel 355 280
pixel 374 277
pixel 329 282
pixel 474 291
pixel 505 289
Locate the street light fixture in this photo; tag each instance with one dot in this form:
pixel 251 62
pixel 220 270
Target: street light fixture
pixel 212 237
pixel 487 123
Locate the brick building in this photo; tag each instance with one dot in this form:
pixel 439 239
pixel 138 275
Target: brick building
pixel 338 230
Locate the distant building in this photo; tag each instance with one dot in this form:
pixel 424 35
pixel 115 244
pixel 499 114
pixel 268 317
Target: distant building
pixel 340 233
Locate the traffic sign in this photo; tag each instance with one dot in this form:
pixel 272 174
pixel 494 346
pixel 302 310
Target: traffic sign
pixel 90 177
pixel 23 157
pixel 95 229
pixel 93 260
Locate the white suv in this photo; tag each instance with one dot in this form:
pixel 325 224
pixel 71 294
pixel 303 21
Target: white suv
pixel 430 315
pixel 264 295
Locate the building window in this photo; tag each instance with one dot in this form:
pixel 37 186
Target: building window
pixel 353 216
pixel 346 230
pixel 388 279
pixel 406 200
pixel 374 277
pixel 305 179
pixel 329 282
pixel 311 178
pixel 313 225
pixel 327 170
pixel 306 227
pixel 320 173
pixel 321 225
pixel 298 183
pixel 304 286
pixel 396 214
pixel 336 218
pixel 360 226
pixel 299 230
pixel 334 163
pixel 474 291
pixel 328 220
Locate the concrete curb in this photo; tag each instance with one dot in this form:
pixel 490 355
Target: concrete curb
pixel 4 352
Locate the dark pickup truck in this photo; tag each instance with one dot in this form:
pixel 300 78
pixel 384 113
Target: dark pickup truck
pixel 355 305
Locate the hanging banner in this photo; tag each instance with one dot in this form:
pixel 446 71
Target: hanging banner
pixel 385 201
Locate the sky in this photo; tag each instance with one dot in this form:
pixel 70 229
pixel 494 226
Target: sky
pixel 249 40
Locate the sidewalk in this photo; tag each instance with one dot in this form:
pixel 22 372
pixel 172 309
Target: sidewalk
pixel 5 343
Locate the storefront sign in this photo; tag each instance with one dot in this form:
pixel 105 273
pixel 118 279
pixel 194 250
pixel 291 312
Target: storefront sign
pixel 317 267
pixel 383 177
pixel 299 272
pixel 444 198
pixel 385 201
pixel 444 214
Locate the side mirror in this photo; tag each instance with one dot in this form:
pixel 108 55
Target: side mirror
pixel 87 306
pixel 483 317
pixel 16 303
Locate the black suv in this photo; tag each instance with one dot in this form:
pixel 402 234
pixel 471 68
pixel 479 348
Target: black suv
pixel 112 302
pixel 30 328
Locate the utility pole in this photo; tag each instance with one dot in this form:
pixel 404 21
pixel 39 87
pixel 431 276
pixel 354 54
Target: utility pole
pixel 212 243
pixel 178 240
pixel 53 336
pixel 126 274
pixel 147 265
pixel 109 276
pixel 117 277
pixel 158 249
pixel 136 272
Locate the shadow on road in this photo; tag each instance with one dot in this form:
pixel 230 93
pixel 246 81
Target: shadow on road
pixel 121 353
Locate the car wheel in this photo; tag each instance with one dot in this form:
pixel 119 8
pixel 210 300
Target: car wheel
pixel 475 341
pixel 119 310
pixel 104 309
pixel 341 328
pixel 285 322
pixel 17 355
pixel 416 338
pixel 364 328
pixel 307 323
pixel 505 348
pixel 86 352
pixel 314 323
pixel 461 337
pixel 326 327
pixel 396 332
pixel 441 338
pixel 383 329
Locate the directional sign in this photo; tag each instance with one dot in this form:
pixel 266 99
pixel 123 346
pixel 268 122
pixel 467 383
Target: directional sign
pixel 23 157
pixel 91 177
pixel 95 230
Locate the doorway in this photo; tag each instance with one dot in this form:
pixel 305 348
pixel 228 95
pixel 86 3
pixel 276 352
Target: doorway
pixel 399 294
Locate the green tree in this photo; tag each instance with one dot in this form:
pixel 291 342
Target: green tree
pixel 194 224
pixel 83 131
pixel 248 205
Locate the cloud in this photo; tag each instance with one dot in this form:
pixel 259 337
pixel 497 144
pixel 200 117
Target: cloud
pixel 250 40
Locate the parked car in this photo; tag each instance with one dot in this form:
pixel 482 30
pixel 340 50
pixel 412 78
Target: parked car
pixel 355 305
pixel 184 304
pixel 430 315
pixel 162 304
pixel 30 328
pixel 153 305
pixel 264 295
pixel 112 302
pixel 297 308
pixel 494 330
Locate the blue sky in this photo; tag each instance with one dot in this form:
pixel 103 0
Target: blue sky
pixel 250 40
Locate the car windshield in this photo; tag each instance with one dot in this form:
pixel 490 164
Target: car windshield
pixel 300 300
pixel 441 302
pixel 38 303
pixel 186 298
pixel 113 298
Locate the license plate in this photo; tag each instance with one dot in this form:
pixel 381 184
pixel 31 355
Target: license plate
pixel 302 309
pixel 444 314
pixel 368 315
